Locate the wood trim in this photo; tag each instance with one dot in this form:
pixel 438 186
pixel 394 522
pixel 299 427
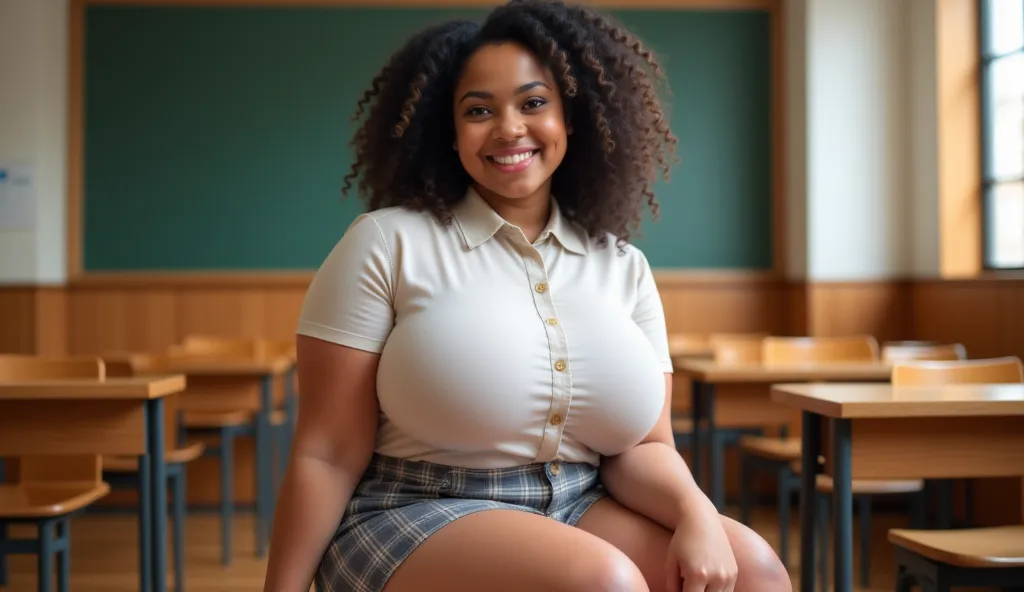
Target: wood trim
pixel 638 4
pixel 76 137
pixel 78 277
pixel 959 138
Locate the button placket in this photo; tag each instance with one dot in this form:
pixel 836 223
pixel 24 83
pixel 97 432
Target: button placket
pixel 558 351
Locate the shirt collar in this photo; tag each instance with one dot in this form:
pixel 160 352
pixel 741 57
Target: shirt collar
pixel 479 223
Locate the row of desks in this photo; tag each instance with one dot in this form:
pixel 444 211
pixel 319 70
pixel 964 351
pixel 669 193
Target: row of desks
pixel 85 419
pixel 867 429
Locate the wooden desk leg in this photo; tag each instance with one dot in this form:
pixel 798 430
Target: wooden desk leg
pixel 695 451
pixel 810 449
pixel 842 504
pixel 158 491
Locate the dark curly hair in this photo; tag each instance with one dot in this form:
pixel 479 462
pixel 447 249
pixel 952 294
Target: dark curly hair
pixel 609 83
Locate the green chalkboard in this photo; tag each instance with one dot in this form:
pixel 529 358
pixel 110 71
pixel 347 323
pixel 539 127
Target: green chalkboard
pixel 217 137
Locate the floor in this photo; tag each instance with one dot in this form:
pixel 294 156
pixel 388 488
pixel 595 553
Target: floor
pixel 104 556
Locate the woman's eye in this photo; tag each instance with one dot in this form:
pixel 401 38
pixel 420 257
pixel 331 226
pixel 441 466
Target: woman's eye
pixel 476 111
pixel 535 103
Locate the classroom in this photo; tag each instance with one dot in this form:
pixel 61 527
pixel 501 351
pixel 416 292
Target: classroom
pixel 838 256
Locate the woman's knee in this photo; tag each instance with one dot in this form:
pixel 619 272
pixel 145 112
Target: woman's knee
pixel 760 569
pixel 606 569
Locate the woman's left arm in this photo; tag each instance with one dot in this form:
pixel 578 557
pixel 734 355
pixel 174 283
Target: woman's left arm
pixel 652 479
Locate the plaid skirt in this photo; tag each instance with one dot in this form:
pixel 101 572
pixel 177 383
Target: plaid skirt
pixel 399 503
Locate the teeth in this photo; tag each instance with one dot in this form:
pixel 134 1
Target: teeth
pixel 514 159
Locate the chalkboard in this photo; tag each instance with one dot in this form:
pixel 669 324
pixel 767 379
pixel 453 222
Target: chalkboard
pixel 217 137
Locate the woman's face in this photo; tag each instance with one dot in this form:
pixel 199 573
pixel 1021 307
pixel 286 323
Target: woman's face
pixel 510 128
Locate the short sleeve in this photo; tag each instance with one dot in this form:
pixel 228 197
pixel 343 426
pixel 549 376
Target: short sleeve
pixel 649 313
pixel 349 301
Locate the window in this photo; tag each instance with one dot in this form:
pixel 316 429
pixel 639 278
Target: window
pixel 1002 99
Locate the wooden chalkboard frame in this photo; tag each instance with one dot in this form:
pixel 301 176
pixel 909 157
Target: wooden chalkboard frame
pixel 75 146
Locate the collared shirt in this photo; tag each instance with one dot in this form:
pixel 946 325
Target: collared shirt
pixel 496 352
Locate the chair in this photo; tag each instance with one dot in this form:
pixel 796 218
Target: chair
pixel 726 348
pixel 229 425
pixel 898 352
pixel 37 498
pixel 781 456
pixel 121 472
pixel 941 559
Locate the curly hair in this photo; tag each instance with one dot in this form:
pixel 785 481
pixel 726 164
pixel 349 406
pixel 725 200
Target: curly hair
pixel 609 83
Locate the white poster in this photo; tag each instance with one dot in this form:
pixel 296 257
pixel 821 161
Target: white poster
pixel 17 197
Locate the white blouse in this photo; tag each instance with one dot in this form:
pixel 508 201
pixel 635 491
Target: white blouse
pixel 496 352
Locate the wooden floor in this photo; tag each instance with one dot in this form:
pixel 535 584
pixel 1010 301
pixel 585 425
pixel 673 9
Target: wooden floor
pixel 104 556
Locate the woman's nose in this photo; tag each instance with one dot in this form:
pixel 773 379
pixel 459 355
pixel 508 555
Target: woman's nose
pixel 510 127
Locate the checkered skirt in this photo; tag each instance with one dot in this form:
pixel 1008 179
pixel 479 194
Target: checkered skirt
pixel 399 503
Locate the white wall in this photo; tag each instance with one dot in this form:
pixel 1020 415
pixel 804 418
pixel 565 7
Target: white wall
pixel 857 139
pixel 33 130
pixel 923 118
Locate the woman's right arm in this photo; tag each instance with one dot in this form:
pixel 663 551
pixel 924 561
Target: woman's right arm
pixel 334 440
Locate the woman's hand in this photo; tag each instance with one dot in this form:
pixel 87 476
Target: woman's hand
pixel 700 558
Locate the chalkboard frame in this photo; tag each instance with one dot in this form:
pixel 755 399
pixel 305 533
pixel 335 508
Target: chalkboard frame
pixel 75 147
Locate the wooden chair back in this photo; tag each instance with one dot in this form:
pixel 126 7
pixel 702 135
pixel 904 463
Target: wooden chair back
pixel 816 350
pixel 686 341
pixel 235 346
pixel 932 351
pixel 19 367
pixel 1007 370
pixel 731 349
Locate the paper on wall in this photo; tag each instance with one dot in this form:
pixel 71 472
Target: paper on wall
pixel 17 197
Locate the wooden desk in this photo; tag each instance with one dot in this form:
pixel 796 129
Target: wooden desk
pixel 90 418
pixel 757 406
pixel 226 384
pixel 877 431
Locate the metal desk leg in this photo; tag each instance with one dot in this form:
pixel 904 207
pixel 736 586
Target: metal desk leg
pixel 810 449
pixel 264 464
pixel 716 456
pixel 695 451
pixel 158 492
pixel 842 505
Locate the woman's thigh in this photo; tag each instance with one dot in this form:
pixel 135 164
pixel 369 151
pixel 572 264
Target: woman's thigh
pixel 510 550
pixel 645 542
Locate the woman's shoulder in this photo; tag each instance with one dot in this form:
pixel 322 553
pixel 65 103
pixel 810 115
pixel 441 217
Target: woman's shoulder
pixel 393 220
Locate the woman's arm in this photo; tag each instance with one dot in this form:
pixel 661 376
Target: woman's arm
pixel 334 440
pixel 652 478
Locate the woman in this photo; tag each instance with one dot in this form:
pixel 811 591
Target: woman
pixel 483 359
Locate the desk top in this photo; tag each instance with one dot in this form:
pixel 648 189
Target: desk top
pixel 712 371
pixel 141 387
pixel 864 400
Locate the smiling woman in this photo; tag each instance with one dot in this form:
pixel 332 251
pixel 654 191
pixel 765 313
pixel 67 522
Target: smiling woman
pixel 483 358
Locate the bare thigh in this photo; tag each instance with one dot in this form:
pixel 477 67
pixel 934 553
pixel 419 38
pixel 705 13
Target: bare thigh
pixel 510 550
pixel 645 542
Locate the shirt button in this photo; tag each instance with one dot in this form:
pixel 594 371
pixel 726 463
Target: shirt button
pixel 552 321
pixel 541 288
pixel 560 365
pixel 556 419
pixel 556 468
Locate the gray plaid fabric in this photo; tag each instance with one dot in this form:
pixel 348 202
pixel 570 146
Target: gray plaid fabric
pixel 399 503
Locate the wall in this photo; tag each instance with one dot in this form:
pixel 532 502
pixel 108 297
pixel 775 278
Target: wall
pixel 33 66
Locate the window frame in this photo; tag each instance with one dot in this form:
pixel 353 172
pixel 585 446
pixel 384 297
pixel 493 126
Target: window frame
pixel 988 180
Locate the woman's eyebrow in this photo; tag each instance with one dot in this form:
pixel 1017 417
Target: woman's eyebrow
pixel 479 94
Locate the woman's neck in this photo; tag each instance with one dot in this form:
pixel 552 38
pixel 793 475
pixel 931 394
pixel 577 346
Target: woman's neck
pixel 530 213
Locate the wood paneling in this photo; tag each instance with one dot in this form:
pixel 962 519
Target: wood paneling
pixel 33 320
pixel 876 308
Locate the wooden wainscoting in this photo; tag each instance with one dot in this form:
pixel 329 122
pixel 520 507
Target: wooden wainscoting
pixel 33 320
